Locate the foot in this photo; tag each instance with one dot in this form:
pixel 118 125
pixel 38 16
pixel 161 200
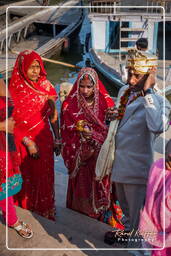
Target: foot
pixel 23 229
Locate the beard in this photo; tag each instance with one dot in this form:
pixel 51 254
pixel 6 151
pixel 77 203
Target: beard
pixel 140 84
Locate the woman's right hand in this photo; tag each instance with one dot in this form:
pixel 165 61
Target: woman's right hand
pixel 111 114
pixel 87 133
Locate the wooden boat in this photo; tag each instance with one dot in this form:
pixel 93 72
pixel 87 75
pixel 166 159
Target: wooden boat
pixel 116 25
pixel 45 30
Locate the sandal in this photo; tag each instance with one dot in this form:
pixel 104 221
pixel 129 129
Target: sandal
pixel 23 229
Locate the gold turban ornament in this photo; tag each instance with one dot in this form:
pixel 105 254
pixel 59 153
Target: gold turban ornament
pixel 140 61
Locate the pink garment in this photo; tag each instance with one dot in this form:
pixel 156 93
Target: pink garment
pixel 12 217
pixel 164 252
pixel 153 214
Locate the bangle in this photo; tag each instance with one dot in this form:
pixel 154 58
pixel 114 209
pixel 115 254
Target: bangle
pixel 31 147
pixel 26 140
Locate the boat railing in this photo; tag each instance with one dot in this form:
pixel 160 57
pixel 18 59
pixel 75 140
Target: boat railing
pixel 99 6
pixel 113 6
pixel 156 4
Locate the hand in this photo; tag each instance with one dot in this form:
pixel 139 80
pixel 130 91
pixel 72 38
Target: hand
pixel 168 162
pixel 10 122
pixel 111 113
pixel 151 79
pixel 87 133
pixel 33 150
pixel 57 147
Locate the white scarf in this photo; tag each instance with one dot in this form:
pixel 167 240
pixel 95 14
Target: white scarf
pixel 106 155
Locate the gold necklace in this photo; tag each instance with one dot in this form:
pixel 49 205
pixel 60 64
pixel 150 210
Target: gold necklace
pixel 90 103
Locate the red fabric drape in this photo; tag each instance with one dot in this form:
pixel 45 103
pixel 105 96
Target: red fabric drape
pixel 85 194
pixel 31 114
pixel 13 160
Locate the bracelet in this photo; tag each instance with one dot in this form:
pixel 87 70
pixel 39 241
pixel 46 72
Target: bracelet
pixel 26 140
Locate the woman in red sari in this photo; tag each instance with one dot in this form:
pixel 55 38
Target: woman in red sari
pixel 83 131
pixel 34 98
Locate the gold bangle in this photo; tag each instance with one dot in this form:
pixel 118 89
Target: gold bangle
pixel 32 147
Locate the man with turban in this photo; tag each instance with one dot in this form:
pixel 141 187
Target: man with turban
pixel 141 115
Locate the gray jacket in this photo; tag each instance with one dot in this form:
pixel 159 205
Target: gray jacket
pixel 144 119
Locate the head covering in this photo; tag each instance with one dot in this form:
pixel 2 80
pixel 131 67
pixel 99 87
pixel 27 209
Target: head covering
pixel 30 98
pixel 19 75
pixel 78 108
pixel 141 61
pixel 100 94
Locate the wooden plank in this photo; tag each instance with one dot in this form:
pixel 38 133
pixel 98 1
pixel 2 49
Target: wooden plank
pixel 128 39
pixel 133 29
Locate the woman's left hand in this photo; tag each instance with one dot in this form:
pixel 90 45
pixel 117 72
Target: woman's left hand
pixel 57 146
pixel 111 114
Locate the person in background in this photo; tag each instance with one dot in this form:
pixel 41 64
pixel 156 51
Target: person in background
pixel 140 119
pixel 83 131
pixel 142 44
pixel 10 177
pixel 34 100
pixel 155 218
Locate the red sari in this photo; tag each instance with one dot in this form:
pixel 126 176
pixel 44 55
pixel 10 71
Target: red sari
pixel 31 113
pixel 13 176
pixel 85 194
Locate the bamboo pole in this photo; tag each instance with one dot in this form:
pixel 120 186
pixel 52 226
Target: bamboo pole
pixel 60 63
pixel 52 61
